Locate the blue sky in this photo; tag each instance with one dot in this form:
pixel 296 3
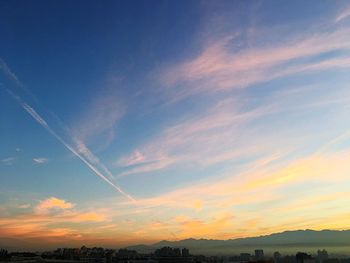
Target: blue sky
pixel 166 119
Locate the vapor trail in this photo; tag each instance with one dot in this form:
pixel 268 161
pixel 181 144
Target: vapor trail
pixel 44 124
pixel 5 68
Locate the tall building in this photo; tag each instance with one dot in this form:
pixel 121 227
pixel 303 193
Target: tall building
pixel 185 252
pixel 259 254
pixel 172 255
pixel 277 257
pixel 302 257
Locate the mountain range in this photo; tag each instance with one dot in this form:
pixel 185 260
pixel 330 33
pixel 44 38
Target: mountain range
pixel 287 243
pixel 336 241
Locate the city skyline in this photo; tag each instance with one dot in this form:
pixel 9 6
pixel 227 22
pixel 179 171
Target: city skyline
pixel 128 122
pixel 164 254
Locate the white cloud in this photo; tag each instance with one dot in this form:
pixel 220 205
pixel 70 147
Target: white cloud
pixel 40 160
pixel 24 206
pixel 99 117
pixel 148 167
pixel 136 158
pixel 8 161
pixel 229 132
pixel 343 15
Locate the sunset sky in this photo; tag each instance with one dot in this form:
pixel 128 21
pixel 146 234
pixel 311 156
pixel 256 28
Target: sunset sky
pixel 127 122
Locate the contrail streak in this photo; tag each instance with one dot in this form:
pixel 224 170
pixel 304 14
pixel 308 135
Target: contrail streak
pixel 5 68
pixel 44 124
pixel 85 151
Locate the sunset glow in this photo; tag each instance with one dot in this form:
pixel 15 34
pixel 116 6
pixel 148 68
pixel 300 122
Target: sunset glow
pixel 131 122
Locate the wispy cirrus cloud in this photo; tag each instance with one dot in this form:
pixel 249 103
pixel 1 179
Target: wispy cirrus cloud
pixel 220 67
pixel 344 14
pixel 214 136
pixel 236 189
pixel 219 134
pixel 96 125
pixel 99 118
pixel 135 158
pixel 24 206
pixel 135 164
pixel 313 168
pixel 194 139
pixel 261 176
pixel 253 193
pixel 40 160
pixel 8 161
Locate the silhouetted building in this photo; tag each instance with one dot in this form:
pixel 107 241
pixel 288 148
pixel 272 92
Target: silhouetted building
pixel 3 254
pixel 177 252
pixel 277 257
pixel 84 250
pixel 162 255
pixel 322 255
pixel 24 256
pixel 125 255
pixel 259 254
pixel 331 260
pixel 302 257
pixel 244 257
pixel 185 252
pixel 168 254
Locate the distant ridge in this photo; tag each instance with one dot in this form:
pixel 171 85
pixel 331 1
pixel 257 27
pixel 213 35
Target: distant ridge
pixel 308 236
pixel 287 242
pixel 283 241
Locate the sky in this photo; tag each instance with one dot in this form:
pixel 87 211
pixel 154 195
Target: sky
pixel 128 122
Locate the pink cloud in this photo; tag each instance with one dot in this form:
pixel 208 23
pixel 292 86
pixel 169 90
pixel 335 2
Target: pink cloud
pixel 218 67
pixel 135 158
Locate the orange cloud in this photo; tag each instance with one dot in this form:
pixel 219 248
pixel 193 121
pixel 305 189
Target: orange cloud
pixel 41 223
pixel 88 217
pixel 316 167
pixel 53 203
